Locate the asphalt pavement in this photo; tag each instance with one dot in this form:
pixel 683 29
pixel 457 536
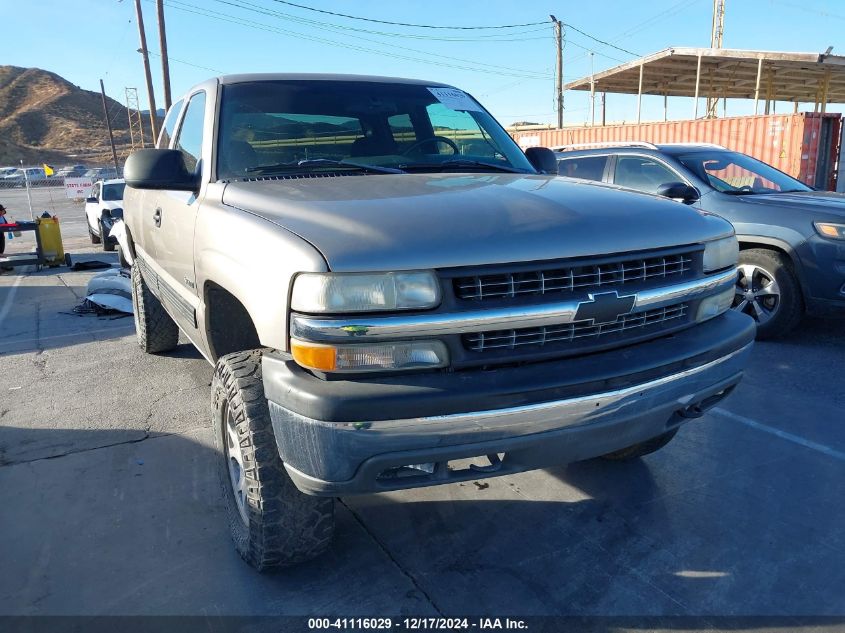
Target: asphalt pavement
pixel 110 503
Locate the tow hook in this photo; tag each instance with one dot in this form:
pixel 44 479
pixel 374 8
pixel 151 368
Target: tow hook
pixel 494 465
pixel 702 406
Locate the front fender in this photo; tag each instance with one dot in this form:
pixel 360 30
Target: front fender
pixel 255 261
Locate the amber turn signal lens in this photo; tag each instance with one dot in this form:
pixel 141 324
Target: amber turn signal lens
pixel 829 230
pixel 321 357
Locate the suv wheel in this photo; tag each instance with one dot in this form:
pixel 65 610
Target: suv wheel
pixel 643 448
pixel 156 331
pixel 768 290
pixel 272 523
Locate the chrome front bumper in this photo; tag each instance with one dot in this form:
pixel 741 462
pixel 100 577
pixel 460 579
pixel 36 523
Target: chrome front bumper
pixel 331 458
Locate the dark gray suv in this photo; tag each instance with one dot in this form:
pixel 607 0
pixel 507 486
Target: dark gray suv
pixel 792 238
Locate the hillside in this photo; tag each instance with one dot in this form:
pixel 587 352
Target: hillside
pixel 45 118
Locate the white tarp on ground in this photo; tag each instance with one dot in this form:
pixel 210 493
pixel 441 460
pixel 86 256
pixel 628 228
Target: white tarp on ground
pixel 112 290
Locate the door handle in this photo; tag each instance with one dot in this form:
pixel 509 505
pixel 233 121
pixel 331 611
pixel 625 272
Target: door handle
pixel 157 217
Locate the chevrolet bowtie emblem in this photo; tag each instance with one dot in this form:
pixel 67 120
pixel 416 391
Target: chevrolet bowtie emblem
pixel 605 307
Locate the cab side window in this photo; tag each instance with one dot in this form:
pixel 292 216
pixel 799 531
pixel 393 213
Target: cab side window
pixel 169 124
pixel 585 167
pixel 189 138
pixel 642 173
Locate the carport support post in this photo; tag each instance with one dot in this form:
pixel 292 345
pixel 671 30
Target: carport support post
pixel 603 108
pixel 757 85
pixel 640 95
pixel 825 87
pixel 697 84
pixel 665 106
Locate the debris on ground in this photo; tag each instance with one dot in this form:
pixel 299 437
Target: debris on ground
pixel 93 264
pixel 109 294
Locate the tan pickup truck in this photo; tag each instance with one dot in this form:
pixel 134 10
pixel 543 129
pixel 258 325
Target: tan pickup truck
pixel 394 295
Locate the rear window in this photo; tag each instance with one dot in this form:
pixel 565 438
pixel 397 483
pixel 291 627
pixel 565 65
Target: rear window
pixel 585 167
pixel 112 193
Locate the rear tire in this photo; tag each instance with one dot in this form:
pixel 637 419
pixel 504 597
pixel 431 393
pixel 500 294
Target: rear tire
pixel 94 238
pixel 156 331
pixel 272 523
pixel 643 448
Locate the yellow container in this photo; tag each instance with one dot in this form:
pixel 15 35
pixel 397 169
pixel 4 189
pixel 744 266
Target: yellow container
pixel 51 241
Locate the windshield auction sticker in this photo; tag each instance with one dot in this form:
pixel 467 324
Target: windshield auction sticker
pixel 455 99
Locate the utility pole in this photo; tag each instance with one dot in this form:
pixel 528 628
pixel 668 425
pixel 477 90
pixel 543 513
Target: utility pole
pixel 162 43
pixel 717 33
pixel 592 93
pixel 149 77
pixel 559 41
pixel 108 125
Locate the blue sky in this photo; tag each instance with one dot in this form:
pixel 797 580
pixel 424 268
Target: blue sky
pixel 511 71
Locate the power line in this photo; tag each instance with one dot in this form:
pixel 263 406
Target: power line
pixel 595 39
pixel 418 26
pixel 645 24
pixel 494 37
pixel 590 50
pixel 182 61
pixel 262 11
pixel 188 8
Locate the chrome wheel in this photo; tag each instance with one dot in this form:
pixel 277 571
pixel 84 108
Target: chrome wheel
pixel 235 462
pixel 757 293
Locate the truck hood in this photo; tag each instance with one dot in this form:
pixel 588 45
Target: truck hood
pixel 812 201
pixel 417 221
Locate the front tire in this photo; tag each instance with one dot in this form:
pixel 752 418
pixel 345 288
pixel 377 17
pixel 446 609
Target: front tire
pixel 108 245
pixel 768 291
pixel 272 523
pixel 643 448
pixel 94 238
pixel 155 330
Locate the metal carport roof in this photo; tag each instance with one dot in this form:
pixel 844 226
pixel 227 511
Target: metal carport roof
pixel 726 73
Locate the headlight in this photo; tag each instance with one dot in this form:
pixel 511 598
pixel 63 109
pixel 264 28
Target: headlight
pixel 363 292
pixel 715 305
pixel 828 229
pixel 720 254
pixel 370 357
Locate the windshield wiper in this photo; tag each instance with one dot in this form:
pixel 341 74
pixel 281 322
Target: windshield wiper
pixel 457 164
pixel 307 164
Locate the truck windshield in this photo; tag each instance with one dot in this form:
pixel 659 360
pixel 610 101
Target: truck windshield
pixel 739 174
pixel 291 126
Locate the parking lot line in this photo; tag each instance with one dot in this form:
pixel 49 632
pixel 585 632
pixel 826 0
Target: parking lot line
pixel 789 437
pixel 7 304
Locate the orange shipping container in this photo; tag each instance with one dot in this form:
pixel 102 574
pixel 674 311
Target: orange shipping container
pixel 804 145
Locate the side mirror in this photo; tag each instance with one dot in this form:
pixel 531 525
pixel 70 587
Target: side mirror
pixel 678 191
pixel 92 200
pixel 159 169
pixel 542 159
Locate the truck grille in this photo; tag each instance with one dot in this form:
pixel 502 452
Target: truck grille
pixel 590 276
pixel 654 319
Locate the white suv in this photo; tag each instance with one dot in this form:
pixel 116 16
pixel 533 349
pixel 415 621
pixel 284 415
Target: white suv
pixel 102 208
